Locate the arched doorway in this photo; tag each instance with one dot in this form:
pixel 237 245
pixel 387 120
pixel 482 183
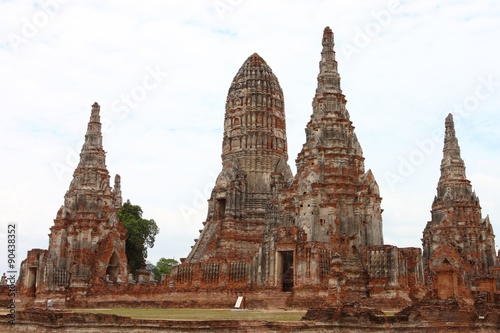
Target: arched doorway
pixel 113 268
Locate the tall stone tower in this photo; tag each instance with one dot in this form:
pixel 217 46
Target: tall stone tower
pixel 331 211
pixel 254 165
pixel 87 241
pixel 332 198
pixel 457 234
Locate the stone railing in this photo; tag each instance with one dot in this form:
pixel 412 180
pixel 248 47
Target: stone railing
pixel 210 275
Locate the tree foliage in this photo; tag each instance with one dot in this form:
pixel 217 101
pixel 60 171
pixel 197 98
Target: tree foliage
pixel 163 266
pixel 141 234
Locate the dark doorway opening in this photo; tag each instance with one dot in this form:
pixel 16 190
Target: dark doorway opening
pixel 112 270
pixel 221 208
pixel 32 280
pixel 287 270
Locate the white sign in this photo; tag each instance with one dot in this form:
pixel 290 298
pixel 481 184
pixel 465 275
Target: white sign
pixel 239 302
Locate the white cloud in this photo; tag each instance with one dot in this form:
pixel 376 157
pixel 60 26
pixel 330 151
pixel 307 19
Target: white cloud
pixel 399 87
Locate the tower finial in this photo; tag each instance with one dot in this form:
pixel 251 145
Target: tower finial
pixel 328 39
pixel 95 114
pixel 117 190
pixel 91 176
pixel 92 154
pixel 328 77
pixel 452 165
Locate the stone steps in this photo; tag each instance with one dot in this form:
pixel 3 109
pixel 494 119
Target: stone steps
pixel 202 242
pixel 356 280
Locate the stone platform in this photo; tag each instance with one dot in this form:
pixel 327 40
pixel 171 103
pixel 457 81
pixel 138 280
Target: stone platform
pixel 411 321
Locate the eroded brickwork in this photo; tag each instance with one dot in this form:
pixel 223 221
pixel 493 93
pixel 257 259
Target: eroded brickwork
pixel 313 240
pixel 281 231
pixel 254 166
pixel 87 241
pixel 332 205
pixel 458 243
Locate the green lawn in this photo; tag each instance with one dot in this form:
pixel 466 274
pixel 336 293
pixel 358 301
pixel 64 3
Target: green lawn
pixel 201 314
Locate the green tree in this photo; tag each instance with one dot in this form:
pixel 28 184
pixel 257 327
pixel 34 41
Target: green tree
pixel 141 234
pixel 164 266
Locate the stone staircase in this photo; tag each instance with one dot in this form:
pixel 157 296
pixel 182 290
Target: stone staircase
pixel 355 280
pixel 202 242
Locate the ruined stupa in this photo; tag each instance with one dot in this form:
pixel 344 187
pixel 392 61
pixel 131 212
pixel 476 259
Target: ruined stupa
pixel 254 166
pixel 268 229
pixel 313 240
pixel 457 239
pixel 87 240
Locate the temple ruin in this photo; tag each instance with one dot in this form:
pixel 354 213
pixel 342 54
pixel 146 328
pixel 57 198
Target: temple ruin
pixel 87 241
pixel 459 244
pixel 266 228
pixel 309 240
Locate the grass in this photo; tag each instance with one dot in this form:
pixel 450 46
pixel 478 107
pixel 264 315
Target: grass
pixel 201 314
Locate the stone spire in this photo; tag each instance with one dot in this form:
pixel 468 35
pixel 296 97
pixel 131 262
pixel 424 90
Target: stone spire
pixel 87 240
pixel 330 171
pixel 254 123
pixel 254 165
pixel 328 77
pixel 92 154
pixel 453 183
pixel 117 191
pixel 329 105
pixel 452 165
pixel 457 232
pixel 90 187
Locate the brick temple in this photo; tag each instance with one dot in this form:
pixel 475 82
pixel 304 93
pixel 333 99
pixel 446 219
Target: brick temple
pixel 309 240
pixel 87 241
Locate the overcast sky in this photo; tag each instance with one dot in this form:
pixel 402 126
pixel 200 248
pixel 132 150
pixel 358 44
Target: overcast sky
pixel 161 70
